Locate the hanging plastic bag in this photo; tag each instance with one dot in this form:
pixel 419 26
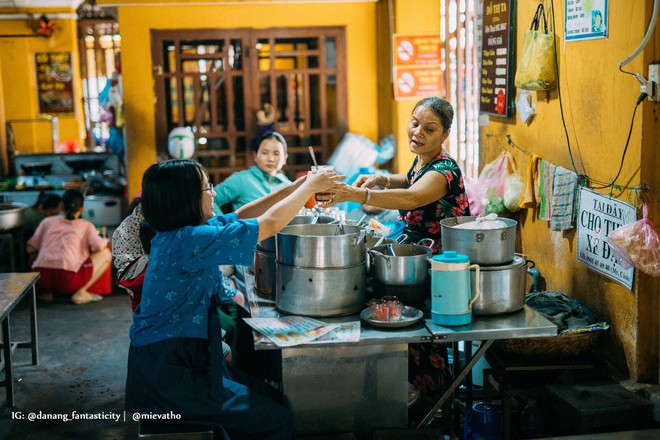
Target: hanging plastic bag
pixel 637 243
pixel 525 105
pixel 486 194
pixel 537 69
pixel 513 190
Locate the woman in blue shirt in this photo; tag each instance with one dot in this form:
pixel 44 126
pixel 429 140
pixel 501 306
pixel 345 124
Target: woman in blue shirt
pixel 175 362
pixel 262 178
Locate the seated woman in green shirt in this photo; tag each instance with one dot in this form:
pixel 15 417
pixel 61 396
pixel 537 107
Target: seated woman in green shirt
pixel 262 178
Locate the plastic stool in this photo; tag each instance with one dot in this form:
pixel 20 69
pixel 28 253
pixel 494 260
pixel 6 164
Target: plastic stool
pixel 179 431
pixel 103 286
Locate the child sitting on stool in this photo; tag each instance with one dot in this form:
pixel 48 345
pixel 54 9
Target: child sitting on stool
pixel 71 256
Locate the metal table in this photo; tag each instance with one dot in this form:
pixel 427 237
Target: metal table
pixel 362 386
pixel 347 387
pixel 13 288
pixel 525 323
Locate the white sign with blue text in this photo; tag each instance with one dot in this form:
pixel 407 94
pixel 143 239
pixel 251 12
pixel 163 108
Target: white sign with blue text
pixel 585 19
pixel 597 217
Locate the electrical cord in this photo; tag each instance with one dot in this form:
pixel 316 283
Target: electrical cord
pixel 641 98
pixel 561 106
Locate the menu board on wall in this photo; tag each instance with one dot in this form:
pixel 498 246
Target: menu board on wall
pixel 54 82
pixel 497 58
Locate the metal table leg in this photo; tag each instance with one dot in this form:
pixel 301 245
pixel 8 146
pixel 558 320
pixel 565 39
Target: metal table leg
pixel 485 345
pixel 34 336
pixel 6 349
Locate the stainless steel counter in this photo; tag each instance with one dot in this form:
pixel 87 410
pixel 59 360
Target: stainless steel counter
pixel 525 323
pixel 361 386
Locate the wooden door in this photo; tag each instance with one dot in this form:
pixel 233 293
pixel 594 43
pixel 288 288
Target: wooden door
pixel 213 81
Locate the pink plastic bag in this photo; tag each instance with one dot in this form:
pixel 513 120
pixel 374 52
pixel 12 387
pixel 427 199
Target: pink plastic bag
pixel 486 194
pixel 637 244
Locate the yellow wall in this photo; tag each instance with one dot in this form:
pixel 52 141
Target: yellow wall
pixel 135 23
pixel 3 133
pixel 598 102
pixel 20 85
pixel 406 22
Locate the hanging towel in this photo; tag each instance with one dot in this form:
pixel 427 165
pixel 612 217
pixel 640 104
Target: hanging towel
pixel 528 199
pixel 564 185
pixel 546 175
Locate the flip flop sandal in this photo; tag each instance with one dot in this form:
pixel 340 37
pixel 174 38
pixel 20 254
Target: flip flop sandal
pixel 93 297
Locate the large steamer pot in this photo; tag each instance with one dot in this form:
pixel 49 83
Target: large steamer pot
pixel 409 265
pixel 503 287
pixel 321 292
pixel 321 246
pixel 268 245
pixel 12 215
pixel 482 246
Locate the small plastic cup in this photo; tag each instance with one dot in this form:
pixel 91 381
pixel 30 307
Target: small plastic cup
pixel 396 311
pixel 323 198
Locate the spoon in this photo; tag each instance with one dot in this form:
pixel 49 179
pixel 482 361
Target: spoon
pixel 311 153
pixel 359 222
pixel 391 249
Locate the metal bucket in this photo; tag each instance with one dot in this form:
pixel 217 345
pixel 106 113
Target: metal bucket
pixel 482 246
pixel 11 215
pixel 320 246
pixel 409 265
pixel 321 292
pixel 503 288
pixel 268 244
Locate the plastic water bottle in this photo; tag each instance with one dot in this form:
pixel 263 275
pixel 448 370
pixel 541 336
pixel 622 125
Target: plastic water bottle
pixel 531 420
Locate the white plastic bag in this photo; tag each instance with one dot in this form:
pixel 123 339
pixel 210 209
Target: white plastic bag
pixel 525 105
pixel 513 189
pixel 637 243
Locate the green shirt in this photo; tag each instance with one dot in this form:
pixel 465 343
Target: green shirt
pixel 245 186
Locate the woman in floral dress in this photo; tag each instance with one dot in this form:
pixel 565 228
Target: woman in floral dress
pixel 431 190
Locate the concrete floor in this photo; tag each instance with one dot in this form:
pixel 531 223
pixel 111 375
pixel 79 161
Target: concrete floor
pixel 82 369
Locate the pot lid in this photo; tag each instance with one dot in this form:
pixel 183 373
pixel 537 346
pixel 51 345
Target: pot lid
pixel 518 260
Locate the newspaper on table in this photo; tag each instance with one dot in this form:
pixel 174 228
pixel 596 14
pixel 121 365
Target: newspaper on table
pixel 290 330
pixel 345 332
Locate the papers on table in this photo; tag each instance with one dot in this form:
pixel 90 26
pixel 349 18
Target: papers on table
pixel 294 330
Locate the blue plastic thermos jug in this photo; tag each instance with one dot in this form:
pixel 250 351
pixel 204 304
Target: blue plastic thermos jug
pixel 451 302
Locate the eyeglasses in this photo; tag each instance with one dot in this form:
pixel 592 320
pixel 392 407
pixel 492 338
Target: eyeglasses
pixel 209 187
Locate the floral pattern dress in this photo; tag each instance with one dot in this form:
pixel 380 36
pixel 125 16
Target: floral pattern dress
pixel 424 222
pixel 428 362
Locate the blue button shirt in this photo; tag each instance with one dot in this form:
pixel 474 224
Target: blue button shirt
pixel 183 276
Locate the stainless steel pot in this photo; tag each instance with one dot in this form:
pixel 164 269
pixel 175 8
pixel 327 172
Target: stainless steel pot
pixel 409 265
pixel 482 246
pixel 269 244
pixel 321 292
pixel 503 287
pixel 11 215
pixel 320 246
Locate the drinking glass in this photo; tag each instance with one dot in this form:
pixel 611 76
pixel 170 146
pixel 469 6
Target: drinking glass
pixel 323 198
